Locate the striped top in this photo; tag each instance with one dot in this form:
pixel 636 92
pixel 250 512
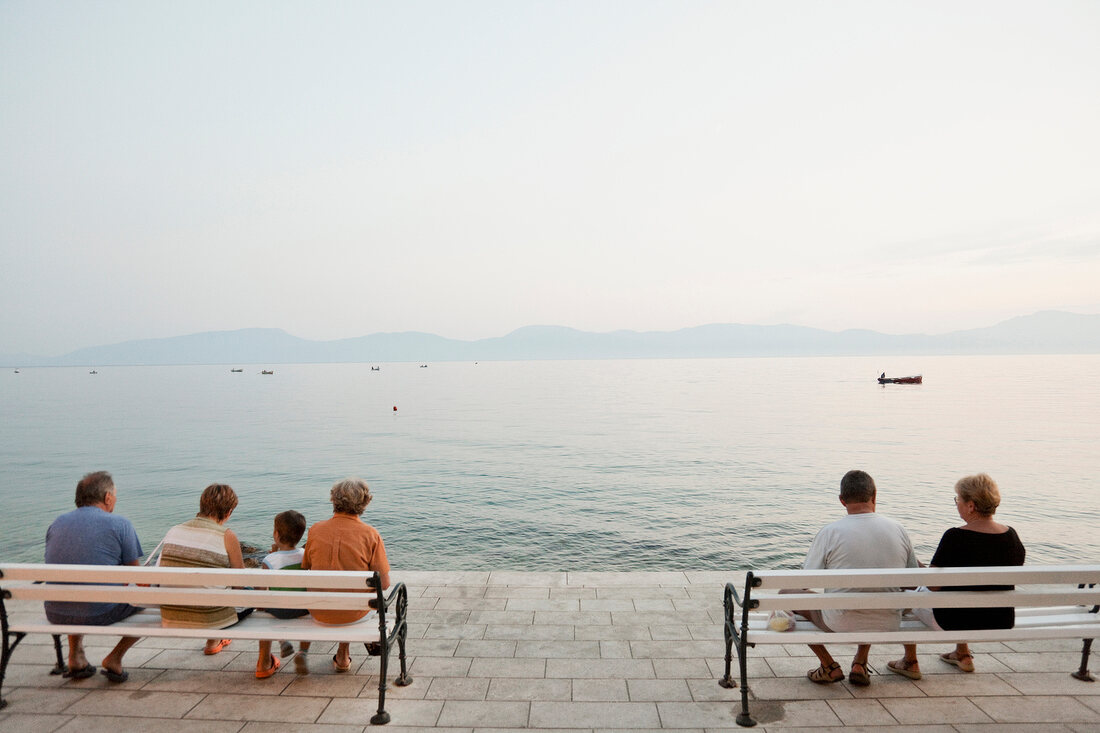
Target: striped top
pixel 199 543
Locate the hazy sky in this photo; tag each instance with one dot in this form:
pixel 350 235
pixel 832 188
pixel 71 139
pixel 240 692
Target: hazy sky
pixel 466 168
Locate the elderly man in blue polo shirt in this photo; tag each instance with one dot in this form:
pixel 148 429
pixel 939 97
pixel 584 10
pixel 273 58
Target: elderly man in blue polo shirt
pixel 92 535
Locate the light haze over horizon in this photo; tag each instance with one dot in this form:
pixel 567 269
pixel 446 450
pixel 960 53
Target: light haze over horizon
pixel 337 169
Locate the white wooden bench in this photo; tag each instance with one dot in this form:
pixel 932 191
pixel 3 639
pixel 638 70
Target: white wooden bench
pixel 150 587
pixel 1052 602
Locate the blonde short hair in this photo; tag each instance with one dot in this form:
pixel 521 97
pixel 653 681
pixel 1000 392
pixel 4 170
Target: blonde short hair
pixel 350 496
pixel 982 490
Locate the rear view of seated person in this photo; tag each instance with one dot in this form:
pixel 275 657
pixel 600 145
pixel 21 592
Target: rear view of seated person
pixel 92 534
pixel 285 555
pixel 862 539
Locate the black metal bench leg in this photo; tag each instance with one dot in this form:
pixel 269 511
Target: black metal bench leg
pixel 11 640
pixel 382 717
pixel 61 667
pixel 1083 673
pixel 404 680
pixel 743 718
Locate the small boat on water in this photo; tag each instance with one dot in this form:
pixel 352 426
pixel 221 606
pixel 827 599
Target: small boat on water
pixel 375 369
pixel 918 379
pixel 264 371
pixel 236 370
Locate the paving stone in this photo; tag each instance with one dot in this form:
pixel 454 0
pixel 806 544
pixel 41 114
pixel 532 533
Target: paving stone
pixel 1050 683
pixel 594 715
pixel 615 649
pixel 921 710
pixel 675 649
pixel 661 690
pixel 558 649
pixel 964 684
pixel 575 593
pixel 254 707
pixel 336 685
pixel 444 617
pixel 861 712
pixel 607 604
pixel 195 659
pixel 110 724
pixel 787 688
pixel 608 632
pixel 435 592
pixel 32 675
pixel 708 690
pixel 526 578
pixel 651 604
pixel 632 592
pixel 517 592
pixel 203 681
pixel 485 648
pixel 1034 709
pixel 529 632
pixel 529 689
pixel 505 617
pixel 471 604
pixel 347 711
pixel 576 618
pixel 1013 728
pixel 431 648
pixel 494 714
pixel 38 701
pixel 415 691
pixel 30 723
pixel 1092 702
pixel 708 632
pixel 457 688
pixel 1046 645
pixel 659 618
pixel 440 666
pixel 672 632
pixel 454 631
pixel 722 715
pixel 600 668
pixel 596 690
pixel 507 668
pixel 683 669
pixel 264 727
pixel 139 703
pixel 674 578
pixel 1036 662
pixel 542 604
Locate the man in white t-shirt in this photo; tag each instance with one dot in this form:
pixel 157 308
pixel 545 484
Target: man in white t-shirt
pixel 862 539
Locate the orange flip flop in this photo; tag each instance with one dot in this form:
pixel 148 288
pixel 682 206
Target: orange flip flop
pixel 265 673
pixel 218 647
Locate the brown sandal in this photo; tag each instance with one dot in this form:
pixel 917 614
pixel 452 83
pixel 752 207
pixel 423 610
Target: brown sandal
pixel 824 675
pixel 861 678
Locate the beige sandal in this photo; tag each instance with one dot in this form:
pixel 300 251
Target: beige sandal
pixel 905 669
pixel 824 675
pixel 964 662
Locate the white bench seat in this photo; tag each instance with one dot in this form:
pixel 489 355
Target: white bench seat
pixel 151 587
pixel 1051 602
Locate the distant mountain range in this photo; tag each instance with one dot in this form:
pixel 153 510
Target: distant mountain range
pixel 1048 332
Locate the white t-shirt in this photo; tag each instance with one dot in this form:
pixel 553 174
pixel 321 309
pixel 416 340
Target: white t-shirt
pixel 290 559
pixel 861 541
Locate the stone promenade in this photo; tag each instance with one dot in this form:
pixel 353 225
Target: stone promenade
pixel 570 652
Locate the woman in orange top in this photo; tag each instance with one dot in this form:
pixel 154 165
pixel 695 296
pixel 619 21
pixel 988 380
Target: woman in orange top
pixel 346 542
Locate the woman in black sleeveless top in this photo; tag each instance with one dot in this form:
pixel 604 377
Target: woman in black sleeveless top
pixel 980 542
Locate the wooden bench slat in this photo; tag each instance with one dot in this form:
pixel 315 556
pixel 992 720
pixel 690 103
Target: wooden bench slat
pixel 255 627
pixel 911 577
pixel 939 599
pixel 139 596
pixel 186 577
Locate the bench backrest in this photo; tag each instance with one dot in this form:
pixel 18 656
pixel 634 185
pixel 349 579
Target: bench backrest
pixel 764 587
pixel 326 589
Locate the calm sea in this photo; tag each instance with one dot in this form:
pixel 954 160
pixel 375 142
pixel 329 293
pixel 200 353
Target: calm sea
pixel 573 465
